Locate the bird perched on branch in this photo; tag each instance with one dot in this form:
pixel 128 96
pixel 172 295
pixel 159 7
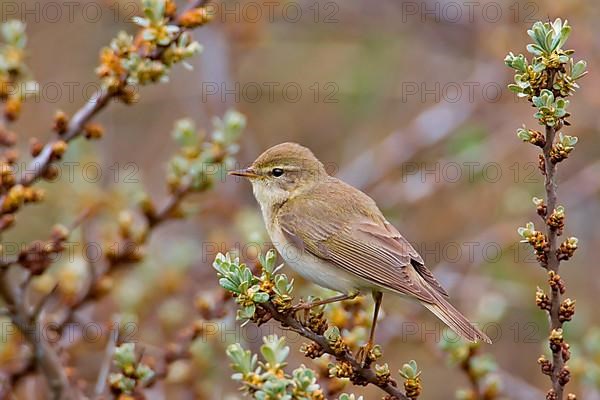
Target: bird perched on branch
pixel 335 236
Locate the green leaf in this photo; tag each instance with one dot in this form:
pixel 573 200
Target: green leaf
pixel 242 360
pixel 569 141
pixel 483 364
pixel 526 231
pixel 227 284
pixel 245 312
pixel 332 334
pixel 260 297
pixel 517 62
pixel 125 384
pixel 283 286
pixel 579 70
pixel 410 370
pixel 539 67
pixel 143 22
pixel 228 129
pixel 125 355
pixel 154 9
pixel 523 134
pixel 305 380
pixel 346 396
pixel 515 88
pixel 535 49
pixel 144 373
pixel 535 33
pixel 548 41
pixel 565 31
pixel 185 133
pixel 274 350
pixel 13 33
pixel 540 32
pixel 268 261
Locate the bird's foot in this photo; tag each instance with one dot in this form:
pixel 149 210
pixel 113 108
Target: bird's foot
pixel 367 354
pixel 303 305
pixel 304 308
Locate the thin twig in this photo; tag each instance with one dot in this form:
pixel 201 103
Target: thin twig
pixel 40 164
pixel 169 208
pixel 37 311
pixel 108 355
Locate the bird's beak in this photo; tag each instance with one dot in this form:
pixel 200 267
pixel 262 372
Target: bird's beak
pixel 246 173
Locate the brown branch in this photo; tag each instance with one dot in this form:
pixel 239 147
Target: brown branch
pixel 40 164
pixel 553 264
pixel 44 356
pixel 367 375
pixel 99 101
pixel 169 209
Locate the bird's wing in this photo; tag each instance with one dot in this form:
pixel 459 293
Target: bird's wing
pixel 368 246
pixel 397 243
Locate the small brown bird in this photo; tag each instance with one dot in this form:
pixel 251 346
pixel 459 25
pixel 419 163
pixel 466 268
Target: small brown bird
pixel 335 236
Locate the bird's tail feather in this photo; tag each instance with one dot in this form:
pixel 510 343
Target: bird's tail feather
pixel 455 320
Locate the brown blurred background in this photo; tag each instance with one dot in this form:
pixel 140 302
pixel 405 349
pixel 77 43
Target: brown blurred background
pixel 406 100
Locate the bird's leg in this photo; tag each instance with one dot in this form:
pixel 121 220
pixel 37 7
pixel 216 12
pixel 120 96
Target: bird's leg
pixel 363 353
pixel 334 299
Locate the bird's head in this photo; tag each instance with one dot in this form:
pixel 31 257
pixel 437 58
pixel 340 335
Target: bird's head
pixel 282 172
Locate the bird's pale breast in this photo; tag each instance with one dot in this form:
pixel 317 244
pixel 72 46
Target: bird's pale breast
pixel 313 268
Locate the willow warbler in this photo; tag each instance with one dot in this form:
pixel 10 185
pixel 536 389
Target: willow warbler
pixel 335 236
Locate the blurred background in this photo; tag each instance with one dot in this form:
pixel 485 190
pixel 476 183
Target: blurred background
pixel 406 100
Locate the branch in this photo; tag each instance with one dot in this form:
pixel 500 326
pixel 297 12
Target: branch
pixel 40 164
pixel 44 356
pixel 169 209
pixel 547 84
pixel 553 262
pixel 363 374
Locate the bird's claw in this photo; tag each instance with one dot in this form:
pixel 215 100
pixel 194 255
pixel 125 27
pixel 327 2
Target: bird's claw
pixel 364 355
pixel 302 305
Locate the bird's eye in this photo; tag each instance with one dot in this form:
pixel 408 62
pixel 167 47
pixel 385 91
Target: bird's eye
pixel 277 172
